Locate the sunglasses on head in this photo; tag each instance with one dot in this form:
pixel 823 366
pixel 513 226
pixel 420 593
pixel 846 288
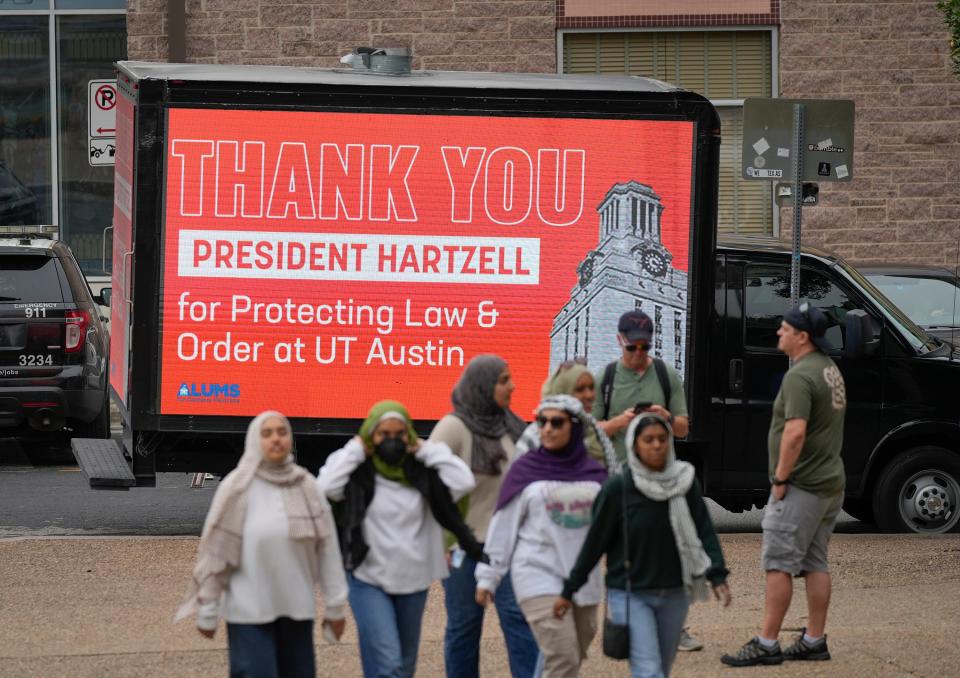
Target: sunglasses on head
pixel 567 364
pixel 555 422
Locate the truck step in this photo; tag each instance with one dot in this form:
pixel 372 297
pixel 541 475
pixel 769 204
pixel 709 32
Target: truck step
pixel 103 464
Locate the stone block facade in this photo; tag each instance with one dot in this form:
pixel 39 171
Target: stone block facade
pixel 893 60
pixel 493 35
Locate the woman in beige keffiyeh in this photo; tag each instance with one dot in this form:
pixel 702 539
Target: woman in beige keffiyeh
pixel 268 538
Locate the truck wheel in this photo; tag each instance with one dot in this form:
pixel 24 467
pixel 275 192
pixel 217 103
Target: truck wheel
pixel 919 492
pixel 860 508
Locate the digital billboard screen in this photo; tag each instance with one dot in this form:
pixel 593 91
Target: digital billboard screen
pixel 316 262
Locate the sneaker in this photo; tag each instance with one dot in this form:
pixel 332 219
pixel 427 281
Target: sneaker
pixel 801 650
pixel 688 643
pixel 754 653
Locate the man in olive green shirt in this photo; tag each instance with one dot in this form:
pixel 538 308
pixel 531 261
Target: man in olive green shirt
pixel 807 477
pixel 635 381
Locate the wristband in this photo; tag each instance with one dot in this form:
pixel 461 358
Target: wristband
pixel 776 481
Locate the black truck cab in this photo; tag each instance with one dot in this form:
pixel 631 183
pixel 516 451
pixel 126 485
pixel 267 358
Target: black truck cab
pixel 902 431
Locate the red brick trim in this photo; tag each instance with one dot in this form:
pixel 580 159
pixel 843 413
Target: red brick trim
pixel 772 18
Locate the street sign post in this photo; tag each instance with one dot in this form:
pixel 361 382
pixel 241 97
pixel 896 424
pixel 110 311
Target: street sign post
pixel 795 141
pixel 101 121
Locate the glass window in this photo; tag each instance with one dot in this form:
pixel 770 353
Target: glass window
pixel 21 5
pixel 25 196
pixel 88 46
pixel 91 4
pixel 718 64
pixel 929 302
pixel 30 278
pixel 767 298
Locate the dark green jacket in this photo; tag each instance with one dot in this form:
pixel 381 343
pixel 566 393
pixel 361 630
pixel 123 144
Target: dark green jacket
pixel 656 562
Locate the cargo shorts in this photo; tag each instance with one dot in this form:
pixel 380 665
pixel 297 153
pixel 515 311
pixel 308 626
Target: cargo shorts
pixel 796 531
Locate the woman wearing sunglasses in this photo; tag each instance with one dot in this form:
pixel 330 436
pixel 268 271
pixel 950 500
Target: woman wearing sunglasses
pixel 541 520
pixel 572 378
pixel 673 549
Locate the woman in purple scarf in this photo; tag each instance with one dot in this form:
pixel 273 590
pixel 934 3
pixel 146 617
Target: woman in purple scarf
pixel 541 520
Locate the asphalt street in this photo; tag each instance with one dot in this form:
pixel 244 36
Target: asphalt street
pixel 38 498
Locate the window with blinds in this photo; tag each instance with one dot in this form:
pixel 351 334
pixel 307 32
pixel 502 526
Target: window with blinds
pixel 721 65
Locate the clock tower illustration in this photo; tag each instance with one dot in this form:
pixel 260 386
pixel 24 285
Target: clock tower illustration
pixel 629 269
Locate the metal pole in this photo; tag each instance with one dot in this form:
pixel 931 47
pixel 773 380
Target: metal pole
pixel 798 111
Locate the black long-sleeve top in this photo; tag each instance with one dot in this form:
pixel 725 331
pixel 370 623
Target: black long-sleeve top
pixel 653 550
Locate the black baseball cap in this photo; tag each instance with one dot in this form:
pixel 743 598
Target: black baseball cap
pixel 635 326
pixel 808 318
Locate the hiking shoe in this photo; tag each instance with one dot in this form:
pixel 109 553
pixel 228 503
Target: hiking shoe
pixel 688 643
pixel 754 653
pixel 801 650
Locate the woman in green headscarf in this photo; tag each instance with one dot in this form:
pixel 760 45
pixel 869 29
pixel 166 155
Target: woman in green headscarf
pixel 573 378
pixel 396 493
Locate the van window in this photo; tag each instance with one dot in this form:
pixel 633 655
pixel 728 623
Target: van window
pixel 767 298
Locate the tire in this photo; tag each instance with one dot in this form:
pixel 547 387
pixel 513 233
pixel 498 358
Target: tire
pixel 99 427
pixel 860 508
pixel 919 491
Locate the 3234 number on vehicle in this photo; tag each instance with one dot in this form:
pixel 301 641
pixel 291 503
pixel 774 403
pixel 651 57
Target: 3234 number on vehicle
pixel 36 360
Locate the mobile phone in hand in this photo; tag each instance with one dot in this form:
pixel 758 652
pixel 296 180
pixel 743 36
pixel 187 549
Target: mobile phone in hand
pixel 641 406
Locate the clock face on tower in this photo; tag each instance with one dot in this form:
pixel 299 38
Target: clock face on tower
pixel 654 262
pixel 586 271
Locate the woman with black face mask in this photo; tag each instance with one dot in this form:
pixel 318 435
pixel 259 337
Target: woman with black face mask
pixel 393 494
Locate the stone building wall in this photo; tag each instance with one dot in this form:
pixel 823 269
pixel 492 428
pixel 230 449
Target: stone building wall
pixel 496 35
pixel 892 59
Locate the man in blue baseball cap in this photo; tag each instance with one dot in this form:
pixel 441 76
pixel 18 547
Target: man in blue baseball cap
pixel 807 482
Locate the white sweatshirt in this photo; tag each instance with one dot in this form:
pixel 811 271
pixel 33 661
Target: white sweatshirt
pixel 537 537
pixel 406 542
pixel 277 574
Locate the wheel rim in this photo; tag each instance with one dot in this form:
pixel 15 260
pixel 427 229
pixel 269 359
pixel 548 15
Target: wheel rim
pixel 929 501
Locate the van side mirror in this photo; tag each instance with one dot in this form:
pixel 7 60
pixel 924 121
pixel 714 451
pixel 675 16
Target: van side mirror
pixel 104 297
pixel 860 341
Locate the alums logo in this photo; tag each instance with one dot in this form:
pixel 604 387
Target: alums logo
pixel 217 393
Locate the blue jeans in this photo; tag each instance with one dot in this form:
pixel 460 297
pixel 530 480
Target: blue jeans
pixel 461 641
pixel 281 648
pixel 389 629
pixel 656 620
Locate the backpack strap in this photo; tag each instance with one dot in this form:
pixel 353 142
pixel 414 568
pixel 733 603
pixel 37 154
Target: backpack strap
pixel 606 388
pixel 664 378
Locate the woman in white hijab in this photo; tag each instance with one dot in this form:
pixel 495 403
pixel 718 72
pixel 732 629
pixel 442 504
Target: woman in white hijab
pixel 673 550
pixel 268 539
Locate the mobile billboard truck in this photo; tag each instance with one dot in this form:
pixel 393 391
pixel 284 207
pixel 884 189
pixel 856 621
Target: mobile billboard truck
pixel 314 240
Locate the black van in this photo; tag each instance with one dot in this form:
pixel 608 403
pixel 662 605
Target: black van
pixel 902 435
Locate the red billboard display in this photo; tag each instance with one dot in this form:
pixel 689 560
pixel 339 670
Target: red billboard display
pixel 316 262
pixel 122 248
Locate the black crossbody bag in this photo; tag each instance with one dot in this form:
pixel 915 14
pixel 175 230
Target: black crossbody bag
pixel 616 637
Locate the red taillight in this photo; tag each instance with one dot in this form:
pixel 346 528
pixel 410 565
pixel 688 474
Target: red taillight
pixel 76 330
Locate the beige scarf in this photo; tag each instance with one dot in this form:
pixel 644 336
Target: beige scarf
pixel 671 485
pixel 221 541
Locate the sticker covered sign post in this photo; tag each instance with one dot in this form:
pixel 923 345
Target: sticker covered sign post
pixel 796 141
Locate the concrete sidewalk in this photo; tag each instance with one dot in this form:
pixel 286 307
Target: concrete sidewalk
pixel 103 607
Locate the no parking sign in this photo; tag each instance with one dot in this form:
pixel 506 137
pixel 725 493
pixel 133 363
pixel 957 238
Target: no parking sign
pixel 102 121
